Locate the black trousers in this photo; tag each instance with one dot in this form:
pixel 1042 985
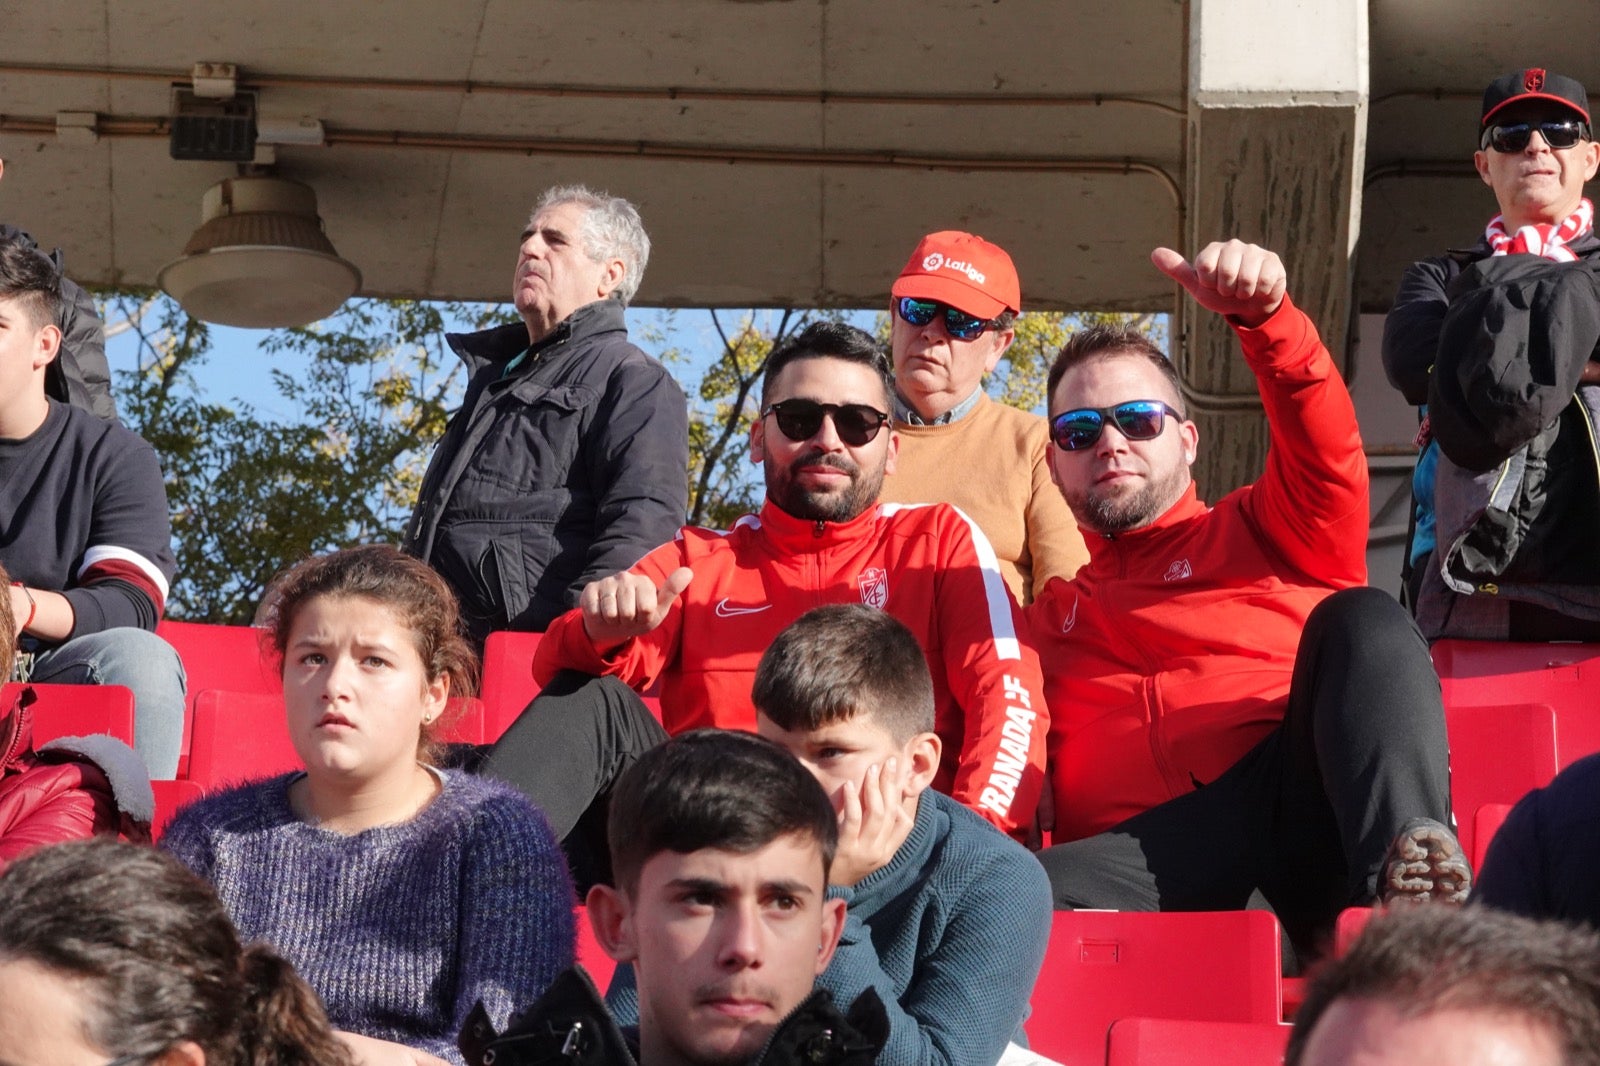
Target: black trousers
pixel 566 751
pixel 1303 820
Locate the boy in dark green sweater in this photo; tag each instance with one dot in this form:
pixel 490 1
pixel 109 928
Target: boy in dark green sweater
pixel 948 918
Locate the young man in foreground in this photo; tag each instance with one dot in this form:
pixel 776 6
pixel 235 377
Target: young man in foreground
pixel 721 846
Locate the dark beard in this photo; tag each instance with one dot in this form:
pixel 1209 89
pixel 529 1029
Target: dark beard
pixel 837 506
pixel 1120 515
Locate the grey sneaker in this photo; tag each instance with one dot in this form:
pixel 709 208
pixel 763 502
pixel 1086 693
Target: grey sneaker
pixel 1425 864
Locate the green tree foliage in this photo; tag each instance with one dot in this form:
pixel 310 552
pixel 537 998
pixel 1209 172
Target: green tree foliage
pixel 1020 378
pixel 722 482
pixel 250 490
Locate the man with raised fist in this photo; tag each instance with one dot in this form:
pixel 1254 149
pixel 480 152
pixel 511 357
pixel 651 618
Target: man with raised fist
pixel 1233 714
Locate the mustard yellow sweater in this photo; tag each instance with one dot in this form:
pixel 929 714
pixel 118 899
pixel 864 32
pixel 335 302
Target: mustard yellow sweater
pixel 994 465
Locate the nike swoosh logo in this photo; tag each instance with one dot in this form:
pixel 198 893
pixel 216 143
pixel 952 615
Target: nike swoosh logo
pixel 1072 617
pixel 726 611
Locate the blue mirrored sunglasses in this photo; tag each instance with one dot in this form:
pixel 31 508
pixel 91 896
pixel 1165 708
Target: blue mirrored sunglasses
pixel 958 324
pixel 1075 430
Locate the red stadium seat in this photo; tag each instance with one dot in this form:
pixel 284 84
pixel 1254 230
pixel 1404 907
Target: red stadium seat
pixel 238 736
pixel 508 684
pixel 1186 1042
pixel 76 710
pixel 591 956
pixel 1351 921
pixel 1561 676
pixel 243 735
pixel 1485 824
pixel 1104 965
pixel 218 657
pixel 171 796
pixel 1497 754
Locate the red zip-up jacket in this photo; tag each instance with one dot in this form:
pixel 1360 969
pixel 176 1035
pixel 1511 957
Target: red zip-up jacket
pixel 1168 656
pixel 927 565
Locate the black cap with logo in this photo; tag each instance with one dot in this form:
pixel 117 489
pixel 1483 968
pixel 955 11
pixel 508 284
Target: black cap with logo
pixel 1533 83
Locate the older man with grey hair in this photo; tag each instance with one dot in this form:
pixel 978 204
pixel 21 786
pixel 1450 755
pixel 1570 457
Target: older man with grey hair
pixel 568 459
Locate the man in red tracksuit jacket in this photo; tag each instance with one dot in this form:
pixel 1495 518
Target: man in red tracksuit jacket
pixel 1225 721
pixel 697 613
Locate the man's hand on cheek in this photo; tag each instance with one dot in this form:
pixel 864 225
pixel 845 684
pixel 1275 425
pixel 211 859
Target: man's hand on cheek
pixel 873 821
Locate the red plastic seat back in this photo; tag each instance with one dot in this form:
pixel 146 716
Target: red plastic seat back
pixel 508 684
pixel 171 797
pixel 1185 1042
pixel 1561 676
pixel 1351 921
pixel 224 657
pixel 243 735
pixel 591 956
pixel 76 710
pixel 1497 754
pixel 238 736
pixel 1485 824
pixel 1104 965
pixel 231 658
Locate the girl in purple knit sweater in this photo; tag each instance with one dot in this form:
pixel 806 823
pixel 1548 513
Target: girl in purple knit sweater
pixel 404 894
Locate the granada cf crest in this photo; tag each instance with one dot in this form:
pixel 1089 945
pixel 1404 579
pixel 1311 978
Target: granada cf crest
pixel 874 583
pixel 1533 79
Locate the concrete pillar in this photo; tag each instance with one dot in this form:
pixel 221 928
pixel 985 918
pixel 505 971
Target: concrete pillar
pixel 1276 147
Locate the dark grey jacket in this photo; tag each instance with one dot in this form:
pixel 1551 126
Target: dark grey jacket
pixel 570 1026
pixel 571 467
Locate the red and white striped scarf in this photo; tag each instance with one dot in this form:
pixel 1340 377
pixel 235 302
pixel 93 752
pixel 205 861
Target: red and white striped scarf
pixel 1543 240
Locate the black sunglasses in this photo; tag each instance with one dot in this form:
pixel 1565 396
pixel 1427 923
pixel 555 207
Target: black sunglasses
pixel 958 324
pixel 1514 136
pixel 1078 429
pixel 799 420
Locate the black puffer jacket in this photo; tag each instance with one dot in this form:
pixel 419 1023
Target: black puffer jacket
pixel 570 1026
pixel 569 468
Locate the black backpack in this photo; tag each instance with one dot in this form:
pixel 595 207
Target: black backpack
pixel 80 375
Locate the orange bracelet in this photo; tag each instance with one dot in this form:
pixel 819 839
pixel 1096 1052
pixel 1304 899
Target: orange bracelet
pixel 33 605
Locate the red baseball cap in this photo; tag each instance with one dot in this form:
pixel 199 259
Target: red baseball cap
pixel 962 270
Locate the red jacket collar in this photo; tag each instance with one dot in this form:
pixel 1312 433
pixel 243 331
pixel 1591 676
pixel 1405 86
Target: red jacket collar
pixel 793 535
pixel 1187 509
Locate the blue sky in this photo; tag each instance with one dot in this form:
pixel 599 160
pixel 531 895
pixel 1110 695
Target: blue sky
pixel 237 369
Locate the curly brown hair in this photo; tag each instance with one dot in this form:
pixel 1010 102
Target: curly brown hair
pixel 418 596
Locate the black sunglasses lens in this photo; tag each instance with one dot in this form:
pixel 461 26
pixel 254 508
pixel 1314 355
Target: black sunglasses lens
pixel 1513 138
pixel 857 425
pixel 1139 421
pixel 1560 134
pixel 1075 430
pixel 918 312
pixel 798 419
